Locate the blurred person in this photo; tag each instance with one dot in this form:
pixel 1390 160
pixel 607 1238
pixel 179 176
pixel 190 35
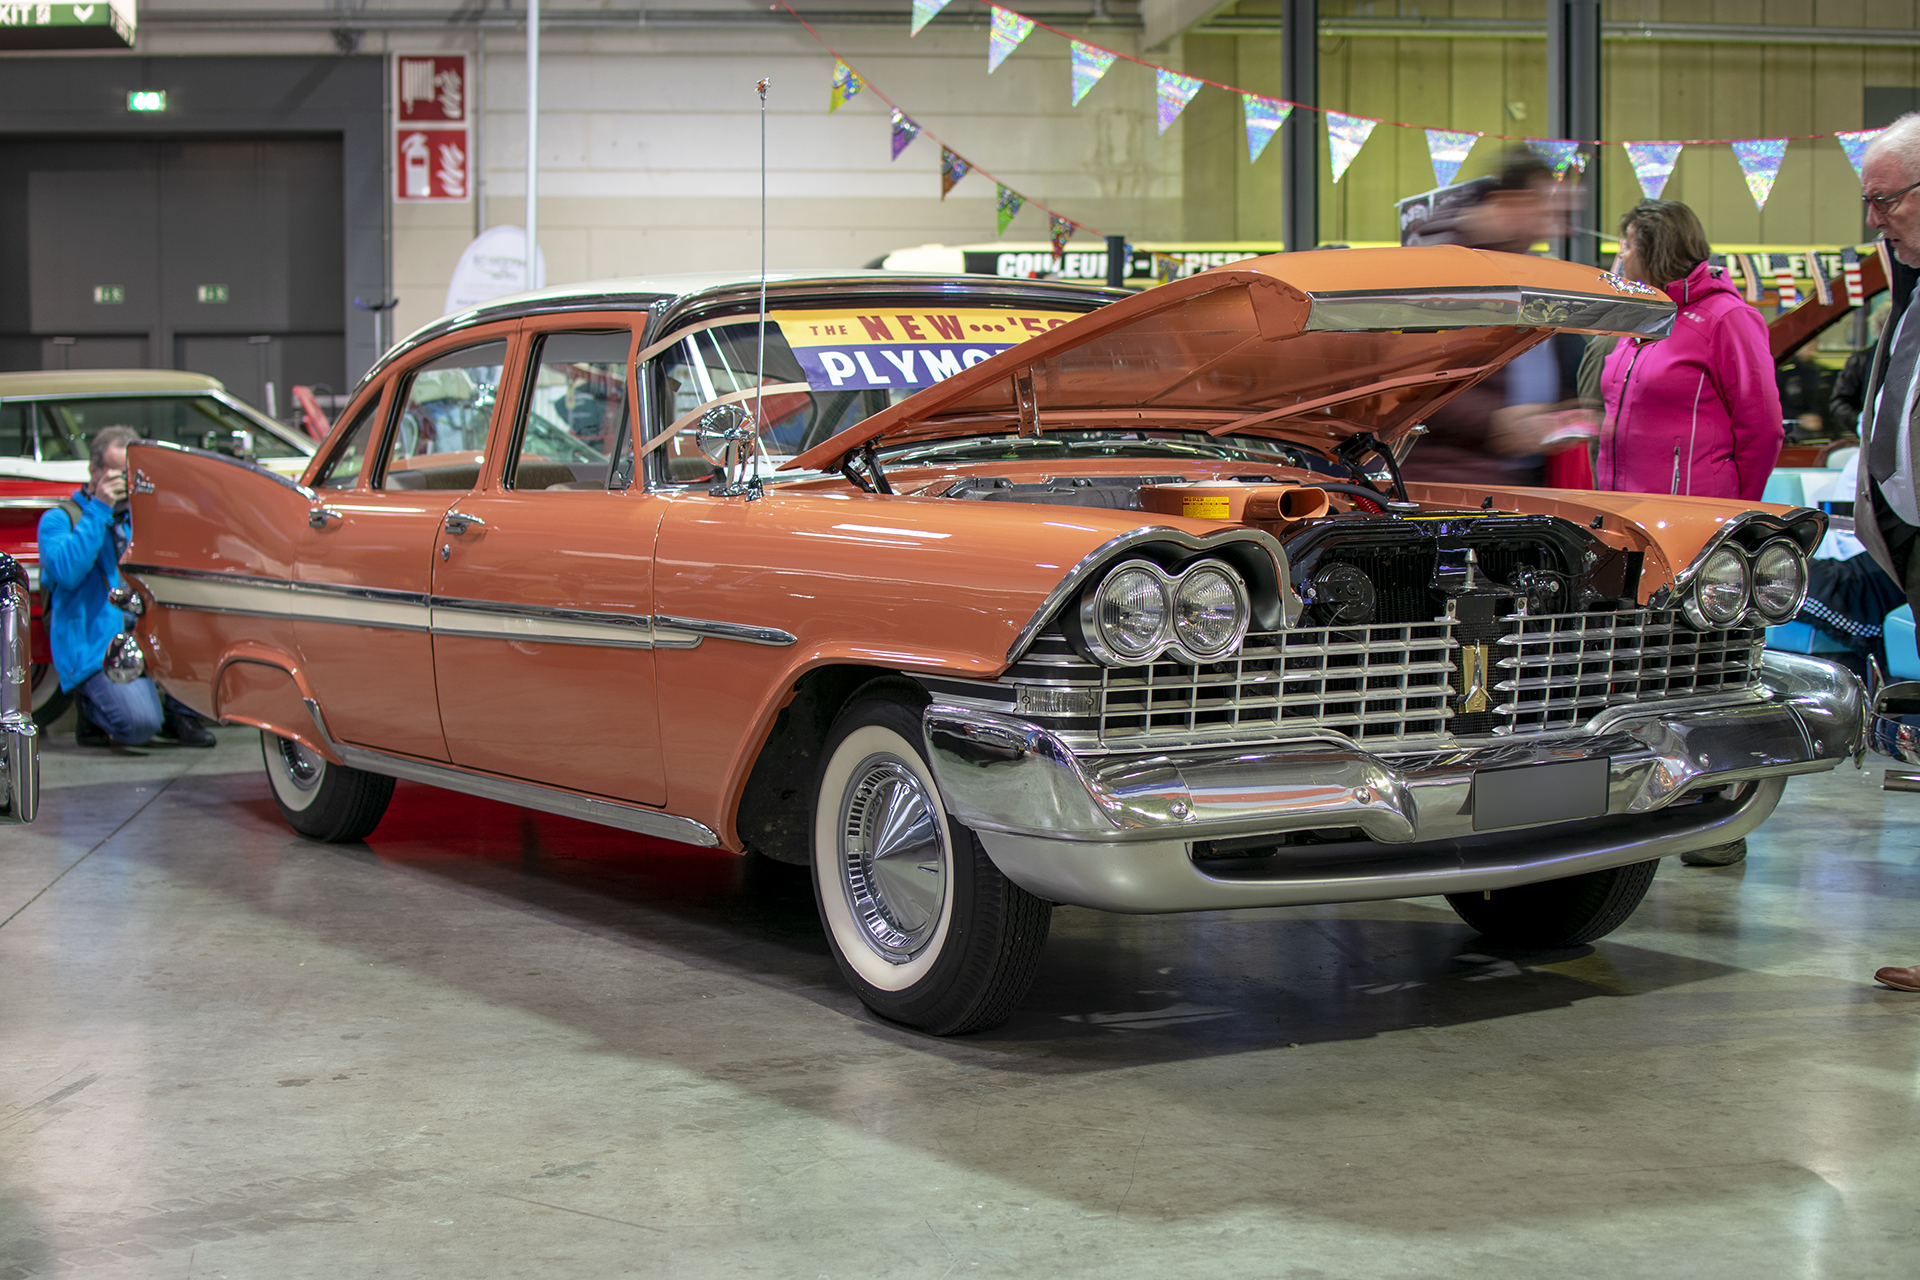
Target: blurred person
pixel 1849 385
pixel 1499 430
pixel 80 544
pixel 1802 384
pixel 1886 515
pixel 1697 412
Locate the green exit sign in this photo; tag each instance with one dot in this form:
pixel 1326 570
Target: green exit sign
pixel 147 100
pixel 212 292
pixel 109 294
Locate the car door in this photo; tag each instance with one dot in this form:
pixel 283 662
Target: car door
pixel 366 566
pixel 543 581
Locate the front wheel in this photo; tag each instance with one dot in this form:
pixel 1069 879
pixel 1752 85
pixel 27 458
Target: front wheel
pixel 922 924
pixel 322 801
pixel 1557 913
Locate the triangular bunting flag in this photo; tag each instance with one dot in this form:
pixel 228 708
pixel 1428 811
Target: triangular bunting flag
pixel 1172 92
pixel 846 83
pixel 1165 267
pixel 952 169
pixel 1264 116
pixel 923 11
pixel 1005 35
pixel 1345 136
pixel 1448 151
pixel 1653 164
pixel 1855 145
pixel 1059 230
pixel 1007 206
pixel 904 131
pixel 1760 161
pixel 1558 152
pixel 1089 63
pixel 1578 162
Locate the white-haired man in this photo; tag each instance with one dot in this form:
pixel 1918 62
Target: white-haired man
pixel 1887 505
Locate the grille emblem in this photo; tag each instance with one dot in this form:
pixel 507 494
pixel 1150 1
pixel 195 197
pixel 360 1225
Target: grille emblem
pixel 1474 660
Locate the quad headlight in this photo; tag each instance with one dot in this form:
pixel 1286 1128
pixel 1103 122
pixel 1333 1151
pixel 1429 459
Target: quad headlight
pixel 1731 586
pixel 1138 612
pixel 1720 590
pixel 1779 580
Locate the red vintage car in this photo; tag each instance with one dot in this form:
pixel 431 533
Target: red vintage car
pixel 46 420
pixel 979 596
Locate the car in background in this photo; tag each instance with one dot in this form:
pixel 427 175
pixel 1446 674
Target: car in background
pixel 976 596
pixel 46 420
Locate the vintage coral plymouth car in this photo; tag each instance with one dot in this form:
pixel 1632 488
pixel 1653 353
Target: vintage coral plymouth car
pixel 980 596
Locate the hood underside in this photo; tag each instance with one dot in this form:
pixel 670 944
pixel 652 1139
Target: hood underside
pixel 1308 348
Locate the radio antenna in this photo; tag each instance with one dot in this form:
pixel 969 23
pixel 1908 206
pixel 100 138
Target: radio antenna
pixel 760 360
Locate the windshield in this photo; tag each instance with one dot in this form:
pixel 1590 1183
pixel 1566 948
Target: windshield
pixel 199 422
pixel 825 371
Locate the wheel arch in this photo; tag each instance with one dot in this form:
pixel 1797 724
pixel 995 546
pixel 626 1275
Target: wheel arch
pixel 773 816
pixel 265 689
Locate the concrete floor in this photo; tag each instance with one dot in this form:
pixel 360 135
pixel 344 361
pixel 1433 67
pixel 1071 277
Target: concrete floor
pixel 492 1044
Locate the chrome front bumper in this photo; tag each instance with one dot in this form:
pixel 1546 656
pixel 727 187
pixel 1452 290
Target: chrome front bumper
pixel 19 740
pixel 1117 832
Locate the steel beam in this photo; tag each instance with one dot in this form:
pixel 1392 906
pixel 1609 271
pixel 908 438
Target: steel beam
pixel 1573 110
pixel 1300 135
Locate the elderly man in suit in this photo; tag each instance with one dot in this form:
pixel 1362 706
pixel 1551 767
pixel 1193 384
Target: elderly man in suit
pixel 1887 506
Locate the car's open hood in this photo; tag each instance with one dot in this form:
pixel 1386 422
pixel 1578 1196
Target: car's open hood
pixel 1309 348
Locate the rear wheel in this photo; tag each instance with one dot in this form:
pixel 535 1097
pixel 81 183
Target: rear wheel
pixel 322 801
pixel 922 924
pixel 1557 913
pixel 49 700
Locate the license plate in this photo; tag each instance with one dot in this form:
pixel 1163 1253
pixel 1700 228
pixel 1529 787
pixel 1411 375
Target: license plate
pixel 1535 793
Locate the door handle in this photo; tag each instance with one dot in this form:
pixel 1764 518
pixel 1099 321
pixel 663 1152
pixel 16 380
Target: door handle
pixel 460 522
pixel 318 516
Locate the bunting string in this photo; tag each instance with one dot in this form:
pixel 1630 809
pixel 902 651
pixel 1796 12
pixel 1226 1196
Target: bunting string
pixel 953 166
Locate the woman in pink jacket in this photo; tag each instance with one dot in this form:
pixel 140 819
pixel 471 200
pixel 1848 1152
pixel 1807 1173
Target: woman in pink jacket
pixel 1697 412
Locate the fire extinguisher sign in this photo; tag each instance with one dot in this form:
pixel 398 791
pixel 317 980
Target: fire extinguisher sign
pixel 432 156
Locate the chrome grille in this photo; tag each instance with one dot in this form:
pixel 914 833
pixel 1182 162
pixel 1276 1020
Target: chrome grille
pixel 1556 671
pixel 1375 684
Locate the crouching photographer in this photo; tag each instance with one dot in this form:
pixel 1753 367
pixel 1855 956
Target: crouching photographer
pixel 80 544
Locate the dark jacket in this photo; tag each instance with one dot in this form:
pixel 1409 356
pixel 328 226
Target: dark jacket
pixel 1874 532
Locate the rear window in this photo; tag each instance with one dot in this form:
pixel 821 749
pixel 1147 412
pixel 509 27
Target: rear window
pixel 199 422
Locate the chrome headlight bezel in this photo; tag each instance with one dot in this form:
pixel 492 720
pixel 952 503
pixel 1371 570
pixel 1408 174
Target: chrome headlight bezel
pixel 1798 559
pixel 1695 607
pixel 1101 644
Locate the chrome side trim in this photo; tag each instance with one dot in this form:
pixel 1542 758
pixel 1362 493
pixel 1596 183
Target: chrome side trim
pixel 1097 559
pixel 29 504
pixel 701 627
pixel 607 813
pixel 244 595
pixel 1474 308
pixel 491 620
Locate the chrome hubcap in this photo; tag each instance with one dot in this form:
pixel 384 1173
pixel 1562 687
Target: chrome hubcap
pixel 302 766
pixel 893 858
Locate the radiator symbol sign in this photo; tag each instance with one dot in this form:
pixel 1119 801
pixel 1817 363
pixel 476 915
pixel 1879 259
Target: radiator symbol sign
pixel 1473 677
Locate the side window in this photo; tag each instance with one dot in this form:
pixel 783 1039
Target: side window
pixel 15 440
pixel 439 432
pixel 343 468
pixel 576 408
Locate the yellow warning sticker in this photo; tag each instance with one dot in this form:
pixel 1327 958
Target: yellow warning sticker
pixel 1207 506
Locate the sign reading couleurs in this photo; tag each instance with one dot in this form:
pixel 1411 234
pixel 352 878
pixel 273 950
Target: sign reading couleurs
pixel 902 350
pixel 432 151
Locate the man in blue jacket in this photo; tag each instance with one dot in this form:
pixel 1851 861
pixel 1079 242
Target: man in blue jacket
pixel 80 545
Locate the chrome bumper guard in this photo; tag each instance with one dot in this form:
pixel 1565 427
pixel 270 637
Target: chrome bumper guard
pixel 19 740
pixel 1893 725
pixel 1118 832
